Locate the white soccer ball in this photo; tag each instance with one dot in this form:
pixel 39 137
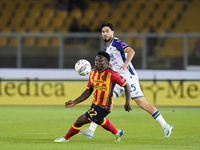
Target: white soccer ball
pixel 83 67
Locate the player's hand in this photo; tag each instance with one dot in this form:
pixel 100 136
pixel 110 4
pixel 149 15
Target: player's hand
pixel 124 66
pixel 127 107
pixel 70 103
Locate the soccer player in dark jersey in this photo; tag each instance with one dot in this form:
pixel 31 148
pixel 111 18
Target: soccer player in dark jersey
pixel 101 83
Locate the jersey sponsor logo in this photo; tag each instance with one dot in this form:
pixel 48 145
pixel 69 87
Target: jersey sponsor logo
pixel 101 88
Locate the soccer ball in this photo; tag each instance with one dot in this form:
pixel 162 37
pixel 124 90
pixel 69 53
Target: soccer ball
pixel 83 67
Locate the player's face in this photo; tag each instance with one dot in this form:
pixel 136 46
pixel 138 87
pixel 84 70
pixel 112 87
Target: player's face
pixel 107 34
pixel 100 62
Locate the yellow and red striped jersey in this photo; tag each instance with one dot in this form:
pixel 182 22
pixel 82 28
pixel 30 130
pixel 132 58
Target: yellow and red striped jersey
pixel 103 84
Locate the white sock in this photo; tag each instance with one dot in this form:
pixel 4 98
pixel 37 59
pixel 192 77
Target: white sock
pixel 158 117
pixel 93 126
pixel 161 120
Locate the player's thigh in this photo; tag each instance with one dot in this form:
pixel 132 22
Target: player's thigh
pixel 136 91
pixel 81 120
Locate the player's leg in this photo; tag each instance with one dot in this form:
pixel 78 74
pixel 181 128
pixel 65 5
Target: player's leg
pixel 141 102
pixel 75 128
pixel 107 125
pixel 89 132
pixel 137 95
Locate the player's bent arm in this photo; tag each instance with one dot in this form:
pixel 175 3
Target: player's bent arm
pixel 80 99
pixel 84 95
pixel 127 105
pixel 130 54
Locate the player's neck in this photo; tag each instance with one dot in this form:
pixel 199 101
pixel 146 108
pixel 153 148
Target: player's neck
pixel 103 69
pixel 108 43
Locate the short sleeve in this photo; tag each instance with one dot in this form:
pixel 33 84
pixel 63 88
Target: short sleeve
pixel 120 45
pixel 119 79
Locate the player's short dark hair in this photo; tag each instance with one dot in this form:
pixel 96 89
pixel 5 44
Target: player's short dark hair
pixel 107 25
pixel 102 53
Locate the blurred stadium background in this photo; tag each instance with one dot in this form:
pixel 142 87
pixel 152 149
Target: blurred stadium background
pixel 56 33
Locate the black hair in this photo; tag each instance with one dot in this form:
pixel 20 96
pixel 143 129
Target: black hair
pixel 109 25
pixel 102 53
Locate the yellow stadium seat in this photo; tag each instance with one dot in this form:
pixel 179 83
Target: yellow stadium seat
pixel 12 42
pixel 19 30
pixel 29 42
pixel 34 14
pixel 139 24
pixel 130 15
pixel 3 23
pixel 48 13
pixel 94 5
pixel 171 16
pixel 3 41
pixel 6 14
pixel 56 23
pixel 43 22
pixel 89 14
pixel 177 6
pixel 125 24
pixel 158 15
pixel 144 15
pixel 19 14
pixel 165 25
pixel 54 42
pixel 37 5
pixel 132 30
pixel 173 48
pixel 48 30
pixel 114 20
pixel 128 41
pixel 6 30
pixel 29 23
pixel 61 15
pixel 106 6
pixel 153 22
pixel 163 6
pixel 24 6
pixel 122 6
pixel 137 43
pixel 102 15
pixel 16 22
pixel 62 30
pixel 43 42
pixel 76 13
pixel 150 6
pixel 135 6
pixel 34 29
pixel 10 6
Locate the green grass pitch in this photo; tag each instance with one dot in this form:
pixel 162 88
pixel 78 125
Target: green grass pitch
pixel 36 127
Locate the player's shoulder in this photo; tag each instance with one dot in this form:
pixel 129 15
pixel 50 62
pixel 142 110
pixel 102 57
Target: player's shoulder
pixel 119 43
pixel 111 70
pixel 116 41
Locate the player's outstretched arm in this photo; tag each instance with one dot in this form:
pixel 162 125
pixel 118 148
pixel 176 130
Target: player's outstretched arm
pixel 80 99
pixel 127 105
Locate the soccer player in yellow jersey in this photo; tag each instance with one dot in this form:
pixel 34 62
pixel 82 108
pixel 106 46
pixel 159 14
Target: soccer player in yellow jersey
pixel 102 81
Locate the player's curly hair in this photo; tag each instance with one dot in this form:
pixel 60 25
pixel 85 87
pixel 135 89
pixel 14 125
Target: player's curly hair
pixel 107 25
pixel 102 53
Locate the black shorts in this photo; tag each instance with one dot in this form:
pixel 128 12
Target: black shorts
pixel 95 113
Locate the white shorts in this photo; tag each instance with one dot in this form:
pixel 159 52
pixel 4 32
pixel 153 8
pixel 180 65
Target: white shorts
pixel 133 81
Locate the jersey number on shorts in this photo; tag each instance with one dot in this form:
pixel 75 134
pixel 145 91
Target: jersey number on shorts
pixel 133 88
pixel 92 113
